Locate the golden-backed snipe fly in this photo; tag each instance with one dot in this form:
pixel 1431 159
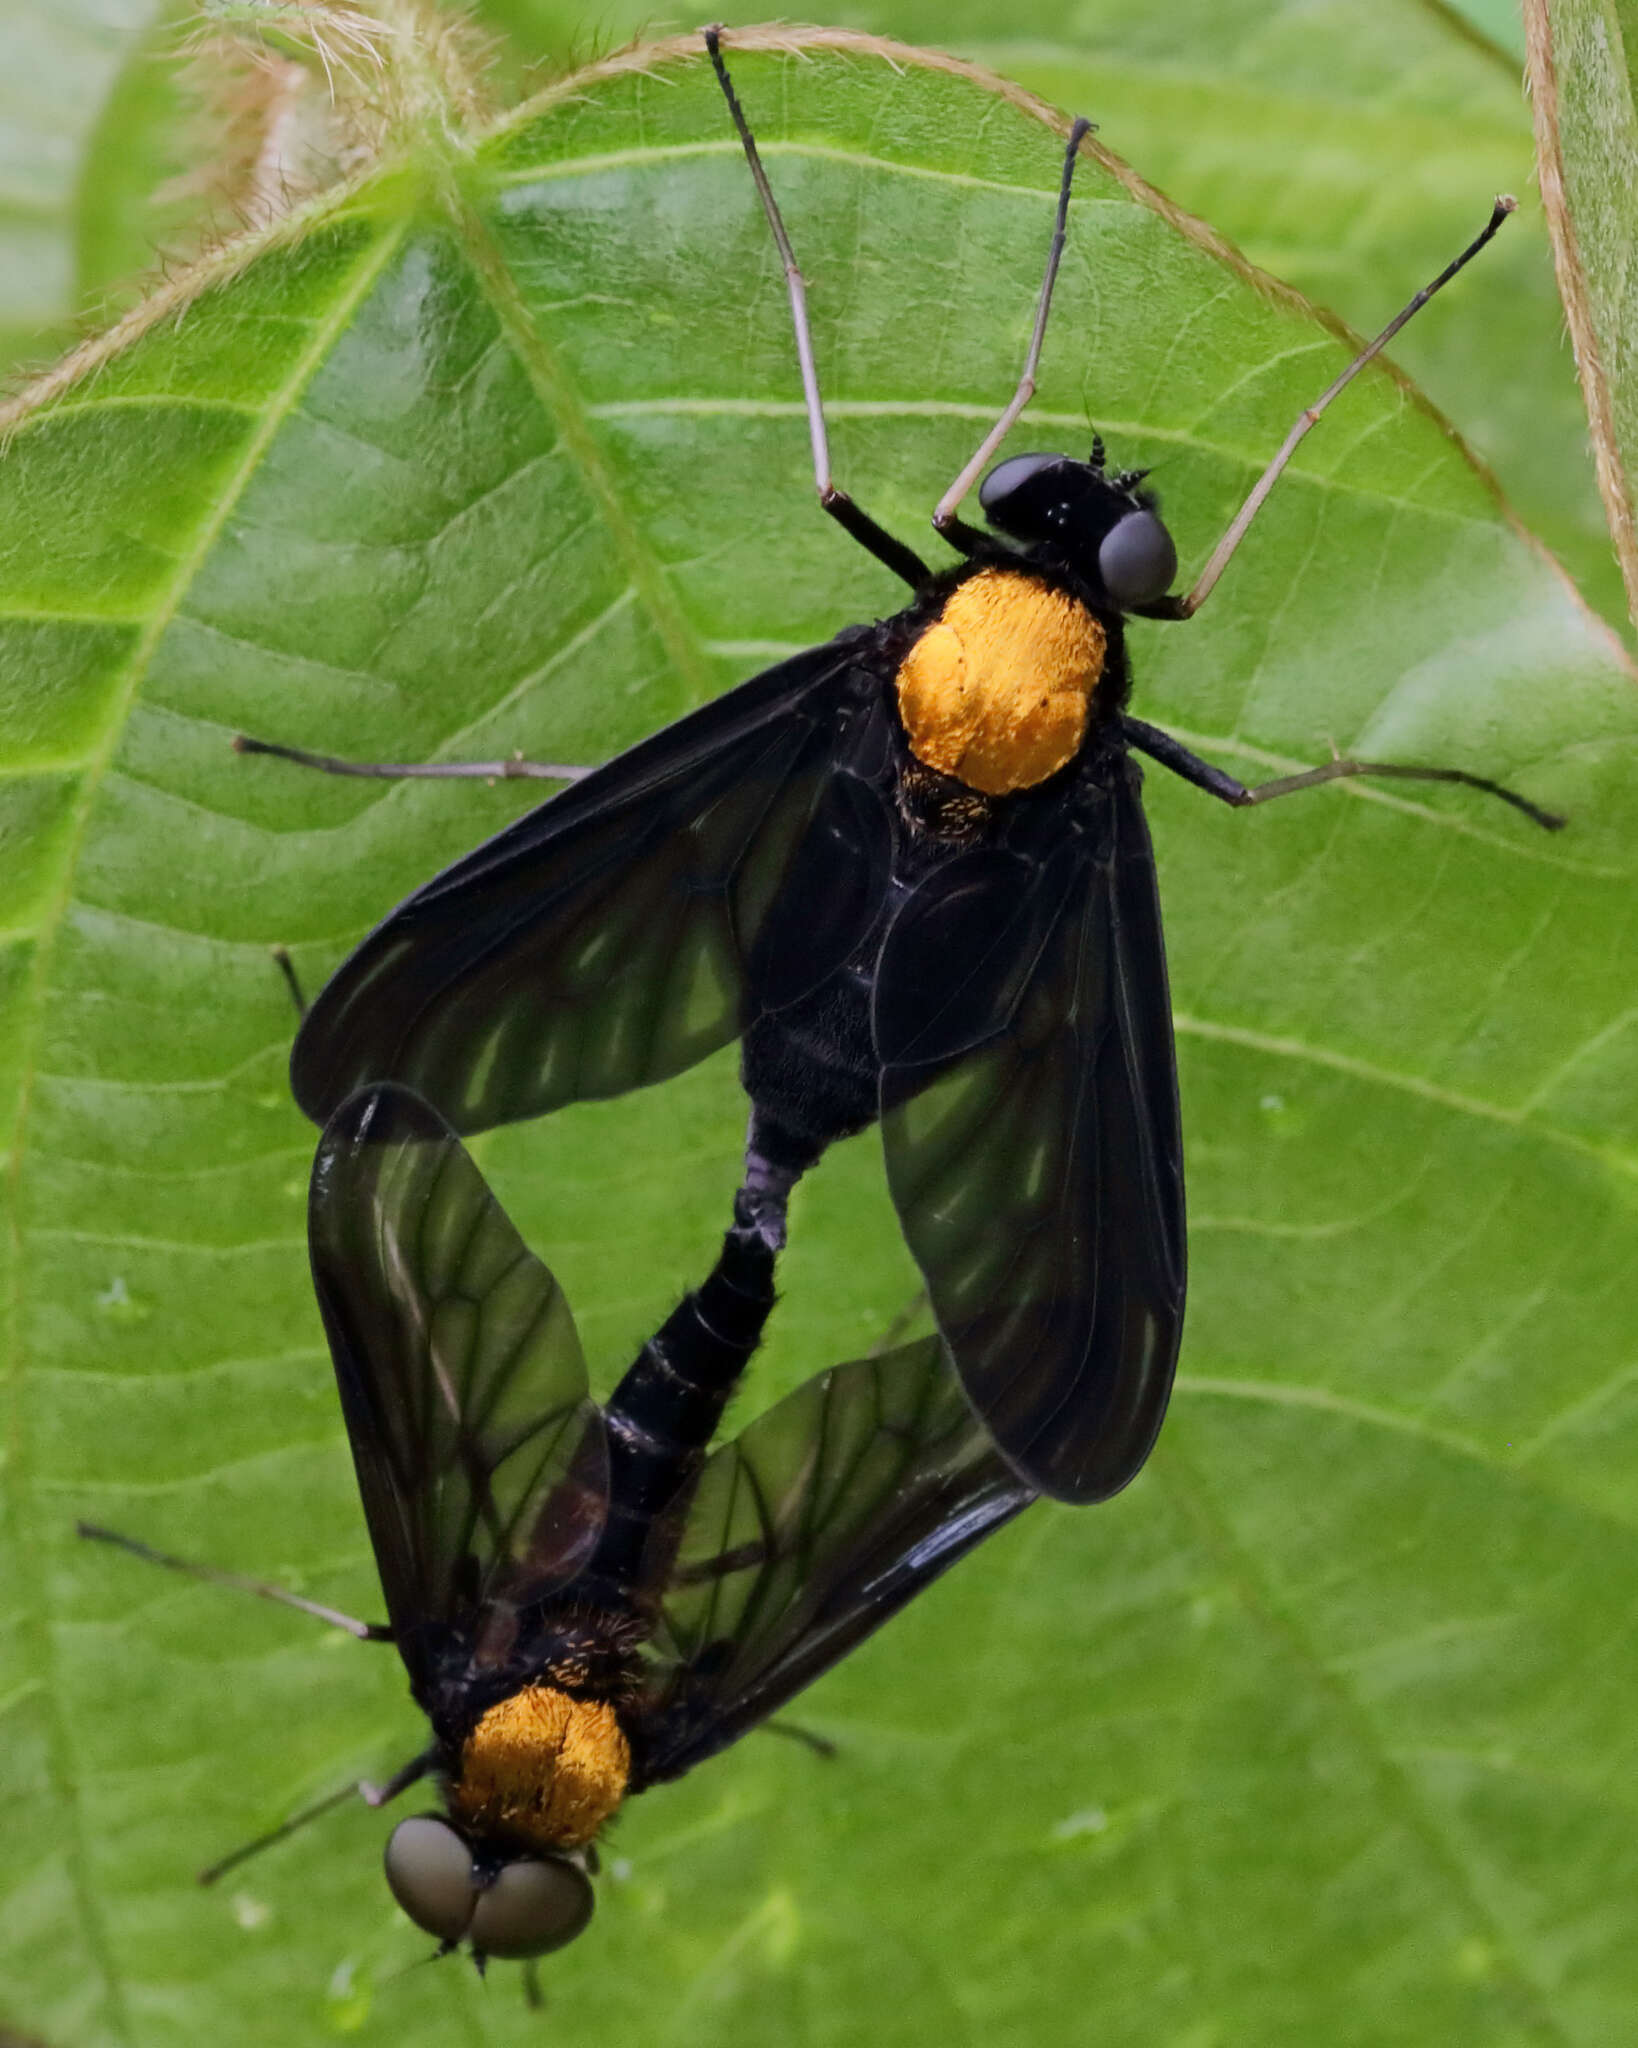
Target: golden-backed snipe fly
pixel 586 1603
pixel 910 870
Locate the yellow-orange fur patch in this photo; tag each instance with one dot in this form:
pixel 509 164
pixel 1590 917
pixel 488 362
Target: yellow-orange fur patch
pixel 995 691
pixel 543 1767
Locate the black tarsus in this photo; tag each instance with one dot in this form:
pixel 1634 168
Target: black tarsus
pixel 287 967
pixel 1171 753
pixel 793 1731
pixel 967 539
pixel 891 552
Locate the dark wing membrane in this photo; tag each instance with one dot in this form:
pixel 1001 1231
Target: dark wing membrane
pixel 806 1533
pixel 598 943
pixel 1030 1123
pixel 481 1461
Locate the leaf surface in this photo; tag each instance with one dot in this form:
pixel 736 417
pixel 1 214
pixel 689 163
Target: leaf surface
pixel 91 135
pixel 1350 150
pixel 1326 1719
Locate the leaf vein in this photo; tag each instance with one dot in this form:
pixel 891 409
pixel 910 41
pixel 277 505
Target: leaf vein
pixel 62 1770
pixel 1402 1798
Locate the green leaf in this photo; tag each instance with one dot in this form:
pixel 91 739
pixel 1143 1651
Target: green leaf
pixel 92 127
pixel 134 133
pixel 1498 21
pixel 1326 1720
pixel 1587 134
pixel 1351 150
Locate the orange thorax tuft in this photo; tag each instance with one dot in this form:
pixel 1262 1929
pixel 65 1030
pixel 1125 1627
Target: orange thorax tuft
pixel 543 1767
pixel 995 691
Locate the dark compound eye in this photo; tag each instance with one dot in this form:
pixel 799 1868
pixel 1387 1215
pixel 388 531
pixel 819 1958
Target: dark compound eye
pixel 1137 559
pixel 1010 481
pixel 429 1871
pixel 534 1906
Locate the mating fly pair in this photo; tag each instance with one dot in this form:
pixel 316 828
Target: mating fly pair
pixel 909 869
pixel 586 1604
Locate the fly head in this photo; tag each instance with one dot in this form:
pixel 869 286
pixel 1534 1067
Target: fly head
pixel 512 1906
pixel 1102 527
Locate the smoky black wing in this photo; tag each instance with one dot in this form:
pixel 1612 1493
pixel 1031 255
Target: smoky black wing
pixel 1030 1124
pixel 598 943
pixel 806 1533
pixel 481 1461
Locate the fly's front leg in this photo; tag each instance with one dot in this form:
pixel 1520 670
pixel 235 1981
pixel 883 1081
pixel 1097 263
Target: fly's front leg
pixel 891 553
pixel 1306 421
pixel 954 529
pixel 373 1796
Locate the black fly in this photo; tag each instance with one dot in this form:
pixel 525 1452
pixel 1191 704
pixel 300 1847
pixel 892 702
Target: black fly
pixel 910 870
pixel 586 1603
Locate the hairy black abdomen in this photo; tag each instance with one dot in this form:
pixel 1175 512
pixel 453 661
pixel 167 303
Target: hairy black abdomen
pixel 662 1416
